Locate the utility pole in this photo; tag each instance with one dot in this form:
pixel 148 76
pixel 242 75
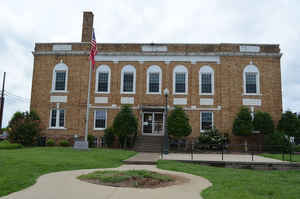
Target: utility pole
pixel 2 102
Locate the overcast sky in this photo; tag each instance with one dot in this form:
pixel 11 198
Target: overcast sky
pixel 23 23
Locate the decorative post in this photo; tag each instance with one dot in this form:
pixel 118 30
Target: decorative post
pixel 166 137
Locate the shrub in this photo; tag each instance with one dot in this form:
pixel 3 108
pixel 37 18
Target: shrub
pixel 6 145
pixel 212 137
pixel 109 137
pixel 276 142
pixel 289 124
pixel 263 122
pixel 125 124
pixel 50 142
pixel 296 148
pixel 64 143
pixel 91 140
pixel 178 123
pixel 24 128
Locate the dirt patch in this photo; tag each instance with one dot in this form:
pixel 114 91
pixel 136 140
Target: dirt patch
pixel 134 182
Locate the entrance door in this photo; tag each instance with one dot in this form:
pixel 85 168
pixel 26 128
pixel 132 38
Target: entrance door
pixel 153 123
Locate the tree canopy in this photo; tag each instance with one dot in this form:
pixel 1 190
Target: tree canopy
pixel 243 125
pixel 263 122
pixel 178 123
pixel 289 124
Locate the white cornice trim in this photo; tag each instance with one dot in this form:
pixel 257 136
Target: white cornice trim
pixel 155 58
pixel 156 54
pixel 162 107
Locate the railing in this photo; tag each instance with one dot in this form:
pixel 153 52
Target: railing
pixel 193 149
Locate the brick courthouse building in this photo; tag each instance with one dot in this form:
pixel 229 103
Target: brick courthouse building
pixel 210 81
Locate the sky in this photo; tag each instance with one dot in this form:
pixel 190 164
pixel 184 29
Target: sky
pixel 24 23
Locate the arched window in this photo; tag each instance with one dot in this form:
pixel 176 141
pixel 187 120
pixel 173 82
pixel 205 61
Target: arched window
pixel 154 76
pixel 251 80
pixel 60 77
pixel 206 80
pixel 103 79
pixel 180 80
pixel 128 79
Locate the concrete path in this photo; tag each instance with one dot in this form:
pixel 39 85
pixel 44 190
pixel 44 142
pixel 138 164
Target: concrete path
pixel 218 157
pixel 64 184
pixel 143 158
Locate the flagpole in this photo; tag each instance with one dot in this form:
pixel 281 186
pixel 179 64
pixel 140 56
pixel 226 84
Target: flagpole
pixel 88 105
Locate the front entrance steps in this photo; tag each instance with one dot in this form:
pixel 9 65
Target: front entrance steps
pixel 148 144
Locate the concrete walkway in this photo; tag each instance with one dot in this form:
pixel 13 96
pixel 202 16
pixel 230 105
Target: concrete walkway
pixel 65 184
pixel 218 157
pixel 143 158
pixel 151 158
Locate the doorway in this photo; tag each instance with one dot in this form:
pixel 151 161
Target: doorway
pixel 153 123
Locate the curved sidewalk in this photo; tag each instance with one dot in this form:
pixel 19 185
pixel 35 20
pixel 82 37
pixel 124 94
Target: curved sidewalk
pixel 65 184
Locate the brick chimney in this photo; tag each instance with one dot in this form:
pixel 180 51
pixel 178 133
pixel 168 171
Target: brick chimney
pixel 87 26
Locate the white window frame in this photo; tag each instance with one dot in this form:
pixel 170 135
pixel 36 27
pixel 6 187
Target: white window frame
pixel 212 118
pixel 154 69
pixel 253 69
pixel 104 69
pixel 180 69
pixel 57 119
pixel 128 68
pixel 205 70
pixel 99 129
pixel 59 67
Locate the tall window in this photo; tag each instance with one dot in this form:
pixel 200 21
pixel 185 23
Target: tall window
pixel 57 118
pixel 206 120
pixel 128 78
pixel 180 80
pixel 103 79
pixel 60 78
pixel 251 80
pixel 154 80
pixel 206 80
pixel 60 81
pixel 100 119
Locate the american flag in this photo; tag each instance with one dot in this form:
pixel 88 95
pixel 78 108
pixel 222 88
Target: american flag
pixel 93 50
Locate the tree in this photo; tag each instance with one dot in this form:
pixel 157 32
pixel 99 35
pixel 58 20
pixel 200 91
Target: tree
pixel 24 128
pixel 125 124
pixel 243 125
pixel 178 123
pixel 289 124
pixel 263 122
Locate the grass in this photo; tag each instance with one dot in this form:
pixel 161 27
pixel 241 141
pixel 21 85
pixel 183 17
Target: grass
pixel 20 168
pixel 238 183
pixel 295 157
pixel 120 176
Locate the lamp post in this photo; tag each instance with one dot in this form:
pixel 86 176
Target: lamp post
pixel 166 139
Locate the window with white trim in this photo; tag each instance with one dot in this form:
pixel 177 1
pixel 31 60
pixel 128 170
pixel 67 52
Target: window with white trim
pixel 206 80
pixel 251 80
pixel 128 79
pixel 100 119
pixel 206 120
pixel 154 75
pixel 60 78
pixel 57 118
pixel 180 80
pixel 103 79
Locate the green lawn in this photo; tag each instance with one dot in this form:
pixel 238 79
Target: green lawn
pixel 19 168
pixel 241 183
pixel 295 158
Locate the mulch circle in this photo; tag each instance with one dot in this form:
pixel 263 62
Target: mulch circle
pixel 142 182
